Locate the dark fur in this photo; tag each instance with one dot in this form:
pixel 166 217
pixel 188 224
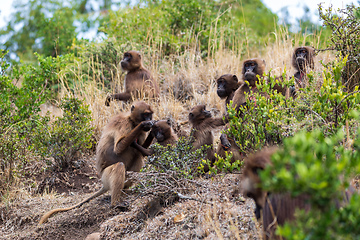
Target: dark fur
pixel 227 84
pixel 138 80
pixel 301 62
pixel 202 124
pixel 281 206
pixel 114 155
pixel 120 133
pixel 162 132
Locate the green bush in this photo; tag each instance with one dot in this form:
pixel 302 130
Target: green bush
pixel 270 118
pixel 180 158
pixel 67 136
pixel 345 39
pixel 319 167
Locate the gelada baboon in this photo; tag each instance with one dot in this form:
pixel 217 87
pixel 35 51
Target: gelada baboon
pixel 202 124
pixel 163 133
pixel 251 69
pixel 276 208
pixel 282 206
pixel 114 155
pixel 303 58
pixel 227 84
pixel 138 80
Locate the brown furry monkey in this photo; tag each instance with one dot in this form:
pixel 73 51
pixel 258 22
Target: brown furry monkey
pixel 138 79
pixel 114 154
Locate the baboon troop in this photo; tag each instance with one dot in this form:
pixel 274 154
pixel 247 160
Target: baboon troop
pixel 138 80
pixel 127 137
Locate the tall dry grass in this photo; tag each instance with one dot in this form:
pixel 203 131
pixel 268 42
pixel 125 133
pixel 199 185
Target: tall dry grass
pixel 186 79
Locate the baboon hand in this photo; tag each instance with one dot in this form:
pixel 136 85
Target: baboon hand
pixel 225 142
pixel 107 101
pixel 147 125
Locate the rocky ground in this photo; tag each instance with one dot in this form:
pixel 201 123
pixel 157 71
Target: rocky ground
pixel 208 208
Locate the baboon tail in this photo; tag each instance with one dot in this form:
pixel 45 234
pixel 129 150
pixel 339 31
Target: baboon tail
pixel 47 215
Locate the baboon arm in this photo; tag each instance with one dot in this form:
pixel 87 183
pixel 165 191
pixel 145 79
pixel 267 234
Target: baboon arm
pixel 144 151
pixel 148 140
pixel 121 96
pixel 47 215
pixel 125 141
pixel 216 122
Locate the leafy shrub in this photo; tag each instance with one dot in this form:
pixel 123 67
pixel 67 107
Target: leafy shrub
pixel 67 136
pixel 271 117
pixel 319 167
pixel 345 39
pixel 180 158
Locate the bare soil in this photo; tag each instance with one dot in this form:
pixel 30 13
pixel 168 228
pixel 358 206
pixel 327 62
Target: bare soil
pixel 215 211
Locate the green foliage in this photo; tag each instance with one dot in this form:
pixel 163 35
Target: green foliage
pixel 44 26
pixel 269 117
pixel 321 168
pixel 20 103
pixel 334 105
pixel 224 164
pixel 174 26
pixel 180 158
pixel 68 137
pixel 345 39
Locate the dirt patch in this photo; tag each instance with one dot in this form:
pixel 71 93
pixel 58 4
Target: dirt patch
pixel 217 211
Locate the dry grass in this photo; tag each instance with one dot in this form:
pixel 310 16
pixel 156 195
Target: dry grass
pixel 186 80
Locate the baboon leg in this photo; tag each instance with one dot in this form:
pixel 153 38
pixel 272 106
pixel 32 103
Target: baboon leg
pixel 114 177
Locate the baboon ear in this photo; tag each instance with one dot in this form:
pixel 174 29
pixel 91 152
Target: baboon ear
pixel 139 55
pixel 264 62
pixel 235 78
pixel 168 121
pixel 132 108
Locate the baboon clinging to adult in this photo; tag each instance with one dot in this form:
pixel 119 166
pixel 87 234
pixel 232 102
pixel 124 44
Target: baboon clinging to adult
pixel 114 154
pixel 138 80
pixel 202 124
pixel 162 132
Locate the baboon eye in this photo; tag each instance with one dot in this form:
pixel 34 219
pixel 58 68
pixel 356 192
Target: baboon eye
pixel 191 115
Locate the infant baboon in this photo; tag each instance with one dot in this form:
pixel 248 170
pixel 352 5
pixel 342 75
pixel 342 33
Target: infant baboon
pixel 162 132
pixel 114 155
pixel 138 80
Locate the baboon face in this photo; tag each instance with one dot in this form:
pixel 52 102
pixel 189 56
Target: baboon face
pixel 162 130
pixel 303 56
pixel 131 61
pixel 251 182
pixel 198 114
pixel 226 84
pixel 251 68
pixel 141 111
